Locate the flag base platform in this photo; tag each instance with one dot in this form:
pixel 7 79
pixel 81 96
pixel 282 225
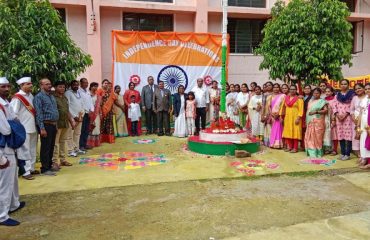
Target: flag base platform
pixel 220 144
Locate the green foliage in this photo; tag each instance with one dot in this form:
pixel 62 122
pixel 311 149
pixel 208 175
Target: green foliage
pixel 34 42
pixel 307 39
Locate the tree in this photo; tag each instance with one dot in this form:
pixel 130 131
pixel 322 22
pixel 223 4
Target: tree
pixel 307 39
pixel 35 42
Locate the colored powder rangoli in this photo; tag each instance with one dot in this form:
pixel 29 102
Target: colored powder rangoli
pixel 124 160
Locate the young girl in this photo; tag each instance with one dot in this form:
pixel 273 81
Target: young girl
pixel 255 109
pixel 190 113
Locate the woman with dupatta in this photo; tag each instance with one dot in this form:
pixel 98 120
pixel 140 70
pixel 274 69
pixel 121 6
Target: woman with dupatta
pixel 364 123
pixel 307 95
pixel 108 99
pixel 127 99
pixel 120 125
pixel 277 99
pixel 315 119
pixel 93 139
pixel 214 106
pixel 343 119
pixel 293 111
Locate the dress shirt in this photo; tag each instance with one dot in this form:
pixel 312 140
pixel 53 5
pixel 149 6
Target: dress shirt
pixel 22 113
pixel 46 108
pixel 75 102
pixel 86 100
pixel 201 96
pixel 134 112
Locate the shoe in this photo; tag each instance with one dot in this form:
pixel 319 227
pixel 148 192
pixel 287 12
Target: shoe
pixel 341 157
pixel 35 172
pixel 345 158
pixel 49 173
pixel 66 163
pixel 72 154
pixel 88 147
pixel 81 152
pixel 160 134
pixel 196 134
pixel 28 177
pixel 21 205
pixel 10 222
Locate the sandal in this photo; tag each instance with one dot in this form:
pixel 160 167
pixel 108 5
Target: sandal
pixel 293 151
pixel 362 162
pixel 66 164
pixel 334 153
pixel 365 167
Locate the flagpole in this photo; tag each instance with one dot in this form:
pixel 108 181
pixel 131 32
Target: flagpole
pixel 224 55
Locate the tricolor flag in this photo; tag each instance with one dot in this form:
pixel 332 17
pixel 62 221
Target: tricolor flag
pixel 174 58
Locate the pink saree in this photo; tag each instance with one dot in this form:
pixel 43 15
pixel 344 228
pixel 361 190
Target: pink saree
pixel 276 139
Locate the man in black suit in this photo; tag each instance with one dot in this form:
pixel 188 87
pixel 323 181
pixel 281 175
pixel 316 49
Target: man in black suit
pixel 162 107
pixel 147 106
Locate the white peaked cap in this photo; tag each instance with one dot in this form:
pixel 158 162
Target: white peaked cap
pixel 24 80
pixel 3 80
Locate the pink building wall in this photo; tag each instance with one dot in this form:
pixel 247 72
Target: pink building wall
pixel 189 16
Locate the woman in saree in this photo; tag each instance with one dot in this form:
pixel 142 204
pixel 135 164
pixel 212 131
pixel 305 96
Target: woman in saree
pixel 127 99
pixel 266 115
pixel 255 109
pixel 277 100
pixel 355 112
pixel 285 89
pixel 108 99
pixel 214 97
pixel 291 113
pixel 120 125
pixel 93 139
pixel 242 102
pixel 315 120
pixel 364 123
pixel 231 106
pixel 330 99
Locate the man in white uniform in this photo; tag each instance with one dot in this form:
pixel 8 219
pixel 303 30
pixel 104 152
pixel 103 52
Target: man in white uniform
pixel 9 196
pixel 76 109
pixel 202 100
pixel 22 106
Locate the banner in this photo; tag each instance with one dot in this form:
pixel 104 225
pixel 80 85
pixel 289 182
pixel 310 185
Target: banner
pixel 352 81
pixel 174 58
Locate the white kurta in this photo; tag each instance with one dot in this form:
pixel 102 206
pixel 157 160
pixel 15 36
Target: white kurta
pixel 257 125
pixel 180 122
pixel 364 153
pixel 9 195
pixel 27 151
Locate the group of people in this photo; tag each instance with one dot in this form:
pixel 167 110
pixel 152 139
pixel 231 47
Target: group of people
pixel 78 116
pixel 316 120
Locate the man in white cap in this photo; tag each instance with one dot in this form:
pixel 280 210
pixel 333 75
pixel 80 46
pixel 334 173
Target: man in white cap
pixel 22 105
pixel 9 196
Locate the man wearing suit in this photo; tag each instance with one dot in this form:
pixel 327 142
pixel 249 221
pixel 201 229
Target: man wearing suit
pixel 147 105
pixel 162 107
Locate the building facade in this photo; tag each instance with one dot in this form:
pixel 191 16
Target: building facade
pixel 90 23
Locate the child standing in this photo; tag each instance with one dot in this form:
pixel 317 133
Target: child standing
pixel 190 113
pixel 134 115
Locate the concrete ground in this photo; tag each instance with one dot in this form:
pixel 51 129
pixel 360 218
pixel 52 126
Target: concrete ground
pixel 196 197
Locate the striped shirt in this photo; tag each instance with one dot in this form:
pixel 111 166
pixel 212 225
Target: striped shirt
pixel 46 108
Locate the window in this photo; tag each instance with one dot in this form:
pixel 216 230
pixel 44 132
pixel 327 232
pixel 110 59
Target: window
pixel 248 3
pixel 245 34
pixel 62 14
pixel 147 22
pixel 162 1
pixel 351 4
pixel 358 36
